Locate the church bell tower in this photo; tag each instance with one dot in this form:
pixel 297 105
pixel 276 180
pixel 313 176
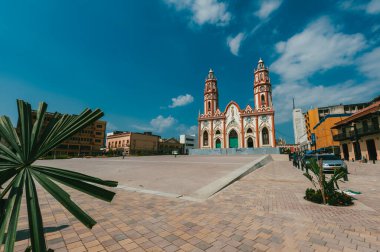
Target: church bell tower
pixel 262 88
pixel 211 99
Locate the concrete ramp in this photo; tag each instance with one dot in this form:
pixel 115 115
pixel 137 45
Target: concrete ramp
pixel 214 187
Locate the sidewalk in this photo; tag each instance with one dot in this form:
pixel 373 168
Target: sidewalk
pixel 265 211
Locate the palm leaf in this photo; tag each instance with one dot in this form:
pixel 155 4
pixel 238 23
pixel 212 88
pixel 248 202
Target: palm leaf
pixel 21 149
pixel 34 215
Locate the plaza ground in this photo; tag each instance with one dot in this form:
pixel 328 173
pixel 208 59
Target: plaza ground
pixel 181 175
pixel 264 211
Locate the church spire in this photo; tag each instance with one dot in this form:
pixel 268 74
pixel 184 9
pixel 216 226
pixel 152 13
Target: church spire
pixel 262 86
pixel 211 103
pixel 210 75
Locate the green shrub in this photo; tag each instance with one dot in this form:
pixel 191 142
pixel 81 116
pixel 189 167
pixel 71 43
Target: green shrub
pixel 325 190
pixel 339 199
pixel 333 199
pixel 314 196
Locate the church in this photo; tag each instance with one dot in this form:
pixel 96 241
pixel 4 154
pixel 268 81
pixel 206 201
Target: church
pixel 235 127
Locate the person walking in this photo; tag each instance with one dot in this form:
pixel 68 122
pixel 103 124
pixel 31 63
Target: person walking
pixel 295 159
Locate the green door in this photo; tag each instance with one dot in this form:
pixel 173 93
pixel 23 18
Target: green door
pixel 233 139
pixel 218 144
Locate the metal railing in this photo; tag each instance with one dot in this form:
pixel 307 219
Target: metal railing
pixel 360 132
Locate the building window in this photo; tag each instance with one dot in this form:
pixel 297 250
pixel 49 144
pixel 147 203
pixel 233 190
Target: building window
pixel 99 126
pixel 365 126
pixel 265 136
pixel 209 106
pixel 205 138
pixel 375 122
pixel 249 130
pixel 262 99
pixel 217 132
pixel 98 133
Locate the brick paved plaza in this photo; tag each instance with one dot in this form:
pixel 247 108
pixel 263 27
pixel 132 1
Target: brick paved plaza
pixel 264 211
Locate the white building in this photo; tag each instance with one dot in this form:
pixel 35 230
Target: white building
pixel 236 127
pixel 189 142
pixel 299 127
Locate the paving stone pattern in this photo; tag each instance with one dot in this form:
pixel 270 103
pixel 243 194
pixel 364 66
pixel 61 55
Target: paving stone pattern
pixel 264 211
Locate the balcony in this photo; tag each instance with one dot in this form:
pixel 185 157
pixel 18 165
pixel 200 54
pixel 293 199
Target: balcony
pixel 374 129
pixel 369 130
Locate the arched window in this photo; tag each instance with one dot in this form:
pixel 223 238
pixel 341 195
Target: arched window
pixel 265 136
pixel 262 99
pixel 249 130
pixel 209 106
pixel 217 132
pixel 205 138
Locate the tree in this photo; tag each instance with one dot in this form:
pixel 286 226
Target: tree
pixel 18 152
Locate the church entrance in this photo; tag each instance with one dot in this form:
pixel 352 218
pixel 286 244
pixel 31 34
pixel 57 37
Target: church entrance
pixel 233 139
pixel 218 144
pixel 250 142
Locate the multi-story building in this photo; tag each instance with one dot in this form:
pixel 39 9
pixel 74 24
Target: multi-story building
pixel 323 133
pixel 327 116
pixel 299 127
pixel 359 134
pixel 128 143
pixel 170 146
pixel 235 127
pixel 189 142
pixel 88 141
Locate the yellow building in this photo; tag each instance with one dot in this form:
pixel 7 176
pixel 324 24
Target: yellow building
pixel 88 141
pixel 316 116
pixel 311 119
pixel 133 143
pixel 323 133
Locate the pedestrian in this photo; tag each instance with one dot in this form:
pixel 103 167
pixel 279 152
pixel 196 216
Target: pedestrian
pixel 298 160
pixel 295 158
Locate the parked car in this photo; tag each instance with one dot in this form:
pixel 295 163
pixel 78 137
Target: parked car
pixel 330 163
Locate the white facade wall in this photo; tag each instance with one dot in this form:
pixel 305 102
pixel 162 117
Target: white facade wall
pixel 299 127
pixel 189 142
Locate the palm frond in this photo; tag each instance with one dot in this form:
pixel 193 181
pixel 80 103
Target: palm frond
pixel 21 149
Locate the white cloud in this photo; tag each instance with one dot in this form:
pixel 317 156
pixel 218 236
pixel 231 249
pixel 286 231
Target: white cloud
pixel 204 11
pixel 307 96
pixel 267 7
pixel 373 7
pixel 235 42
pixel 181 100
pixel 111 127
pixel 369 64
pixel 317 48
pixel 183 129
pixel 161 123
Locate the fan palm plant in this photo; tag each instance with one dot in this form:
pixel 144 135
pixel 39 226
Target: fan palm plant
pixel 18 173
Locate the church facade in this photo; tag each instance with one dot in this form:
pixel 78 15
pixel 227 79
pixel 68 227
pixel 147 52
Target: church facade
pixel 236 127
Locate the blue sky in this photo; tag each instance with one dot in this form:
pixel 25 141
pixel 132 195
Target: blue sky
pixel 144 62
